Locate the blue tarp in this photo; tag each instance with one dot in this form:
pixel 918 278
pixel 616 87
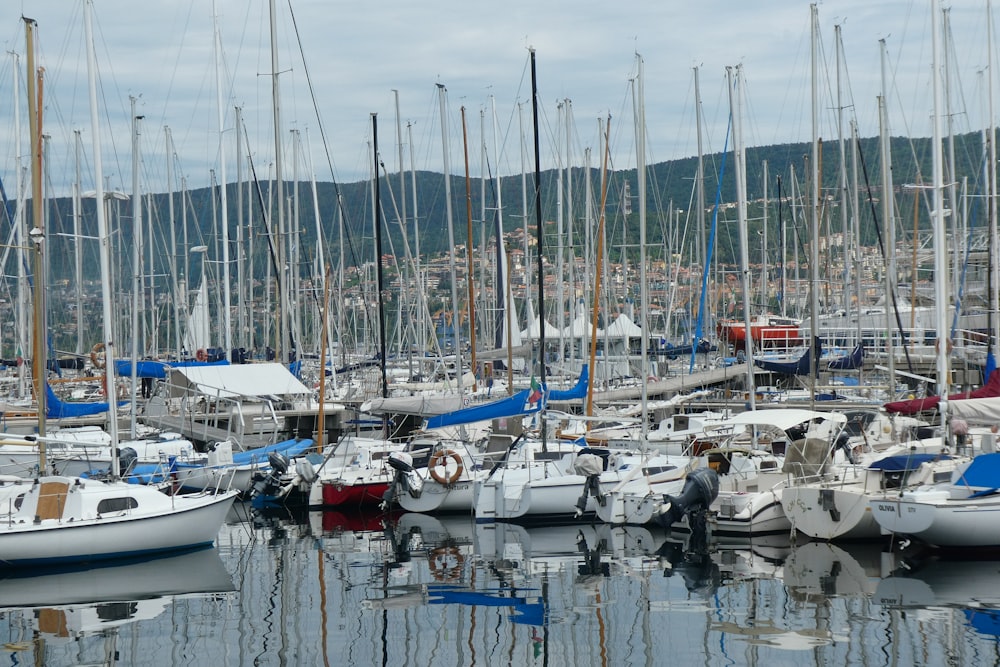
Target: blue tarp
pixel 512 406
pixel 58 409
pixel 144 369
pixel 904 462
pixel 983 471
pixel 527 613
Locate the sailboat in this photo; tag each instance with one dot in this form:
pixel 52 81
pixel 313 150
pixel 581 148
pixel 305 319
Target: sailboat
pixel 55 519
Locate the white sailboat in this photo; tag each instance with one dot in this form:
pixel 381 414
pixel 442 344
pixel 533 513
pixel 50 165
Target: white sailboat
pixel 956 513
pixel 55 519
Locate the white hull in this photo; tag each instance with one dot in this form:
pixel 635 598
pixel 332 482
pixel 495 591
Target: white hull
pixel 933 517
pixel 831 512
pixel 91 527
pixel 434 497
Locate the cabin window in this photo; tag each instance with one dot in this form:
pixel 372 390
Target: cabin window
pixel 116 505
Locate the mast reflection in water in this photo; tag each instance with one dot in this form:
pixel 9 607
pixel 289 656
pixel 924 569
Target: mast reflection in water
pixel 341 588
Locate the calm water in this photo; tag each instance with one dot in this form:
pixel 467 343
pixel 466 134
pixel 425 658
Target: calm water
pixel 334 589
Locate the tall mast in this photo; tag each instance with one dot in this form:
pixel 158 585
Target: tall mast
pixel 78 241
pixel 889 217
pixel 814 199
pixel 456 337
pixel 377 206
pixel 38 348
pixel 137 246
pixel 227 322
pixel 283 341
pixel 640 166
pixel 540 227
pixel 468 253
pixel 104 238
pixel 843 173
pixel 941 288
pixel 21 331
pixel 735 93
pixel 241 279
pixel 700 175
pixel 992 181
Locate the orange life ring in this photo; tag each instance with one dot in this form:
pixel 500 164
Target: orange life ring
pixel 201 355
pixel 438 466
pixel 446 563
pixel 97 355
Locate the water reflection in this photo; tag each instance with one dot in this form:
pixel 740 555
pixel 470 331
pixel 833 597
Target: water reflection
pixel 323 588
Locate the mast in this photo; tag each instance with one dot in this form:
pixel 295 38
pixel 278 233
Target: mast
pixel 227 323
pixel 735 93
pixel 283 340
pixel 37 234
pixel 941 290
pixel 843 173
pixel 814 201
pixel 21 259
pixel 888 215
pixel 78 241
pixel 377 205
pixel 699 177
pixel 456 337
pixel 640 164
pixel 539 228
pixel 992 185
pixel 599 268
pixel 241 280
pixel 104 239
pixel 468 255
pixel 136 266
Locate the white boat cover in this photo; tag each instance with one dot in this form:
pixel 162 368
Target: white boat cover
pixel 977 411
pixel 237 381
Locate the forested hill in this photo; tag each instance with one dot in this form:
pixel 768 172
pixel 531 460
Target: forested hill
pixel 668 184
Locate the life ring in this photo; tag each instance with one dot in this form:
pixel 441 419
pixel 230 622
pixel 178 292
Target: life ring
pixel 201 355
pixel 446 563
pixel 97 355
pixel 438 466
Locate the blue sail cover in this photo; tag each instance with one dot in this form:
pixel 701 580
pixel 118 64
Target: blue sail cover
pixel 983 471
pixel 58 409
pixel 579 390
pixel 143 369
pixel 801 366
pixel 851 362
pixel 904 462
pixel 513 406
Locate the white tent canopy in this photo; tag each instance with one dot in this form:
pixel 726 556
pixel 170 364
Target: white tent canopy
pixel 624 327
pixel 237 381
pixel 580 327
pixel 533 332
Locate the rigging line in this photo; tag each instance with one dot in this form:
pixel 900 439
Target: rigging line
pixel 709 251
pixel 881 246
pixel 319 120
pixel 266 219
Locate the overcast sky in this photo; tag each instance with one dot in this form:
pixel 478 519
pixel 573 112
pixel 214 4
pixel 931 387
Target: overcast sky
pixel 357 53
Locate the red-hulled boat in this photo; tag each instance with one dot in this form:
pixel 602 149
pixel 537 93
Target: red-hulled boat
pixel 765 330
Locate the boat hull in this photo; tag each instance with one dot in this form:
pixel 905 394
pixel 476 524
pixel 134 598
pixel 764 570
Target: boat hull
pixel 830 513
pixel 184 523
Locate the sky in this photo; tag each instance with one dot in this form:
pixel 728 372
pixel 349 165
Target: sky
pixel 340 62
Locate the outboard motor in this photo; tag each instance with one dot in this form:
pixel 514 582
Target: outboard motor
pixel 268 484
pixel 591 466
pixel 127 458
pixel 406 478
pixel 700 488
